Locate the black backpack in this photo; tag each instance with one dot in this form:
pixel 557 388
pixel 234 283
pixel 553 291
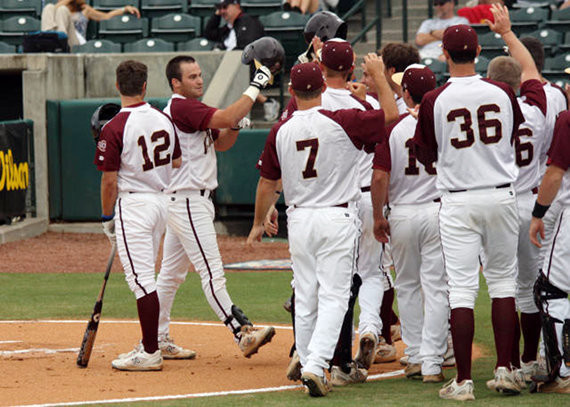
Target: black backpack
pixel 45 41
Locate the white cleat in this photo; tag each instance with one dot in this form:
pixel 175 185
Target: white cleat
pixel 139 361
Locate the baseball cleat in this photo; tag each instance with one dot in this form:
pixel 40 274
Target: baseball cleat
pixel 384 353
pixel 140 361
pixel 404 360
pixel 365 355
pixel 505 381
pixel 396 332
pixel 413 371
pixel 560 385
pixel 317 385
pixel 434 378
pixel 254 338
pixel 294 367
pixel 340 378
pixel 457 391
pixel 137 349
pixel 530 369
pixel 449 356
pixel 172 351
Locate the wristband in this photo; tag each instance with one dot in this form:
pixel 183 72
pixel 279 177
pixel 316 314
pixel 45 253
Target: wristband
pixel 105 218
pixel 251 92
pixel 539 210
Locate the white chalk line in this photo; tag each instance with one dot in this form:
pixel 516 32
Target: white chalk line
pixel 37 350
pixel 3 342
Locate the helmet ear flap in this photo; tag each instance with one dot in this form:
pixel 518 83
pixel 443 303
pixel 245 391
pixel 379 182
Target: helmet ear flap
pixel 101 116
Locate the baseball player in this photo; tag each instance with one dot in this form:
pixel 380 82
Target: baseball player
pixel 553 284
pixel 136 153
pixel 190 235
pixel 468 126
pixel 315 153
pixel 520 72
pixel 421 283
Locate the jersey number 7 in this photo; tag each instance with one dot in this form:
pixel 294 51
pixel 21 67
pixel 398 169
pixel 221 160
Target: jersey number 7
pixel 313 144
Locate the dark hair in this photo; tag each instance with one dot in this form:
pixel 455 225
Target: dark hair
pixel 417 99
pixel 173 67
pixel 308 94
pixel 399 56
pixel 463 57
pixel 131 77
pixel 536 50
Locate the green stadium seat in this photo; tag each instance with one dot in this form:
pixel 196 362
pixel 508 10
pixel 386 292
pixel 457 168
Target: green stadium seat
pixel 97 47
pixel 481 64
pixel 437 66
pixel 557 63
pixel 125 28
pixel 159 8
pixel 492 45
pixel 149 45
pixel 530 14
pixel 12 29
pixel 261 7
pixel 7 48
pixel 196 44
pixel 535 3
pixel 287 27
pixel 481 29
pixel 107 5
pixel 559 78
pixel 32 8
pixel 550 39
pixel 203 8
pixel 176 27
pixel 560 20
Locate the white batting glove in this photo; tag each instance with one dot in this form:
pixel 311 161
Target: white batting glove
pixel 261 77
pixel 109 229
pixel 244 123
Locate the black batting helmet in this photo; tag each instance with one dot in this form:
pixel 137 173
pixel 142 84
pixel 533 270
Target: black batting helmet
pixel 266 50
pixel 102 115
pixel 325 25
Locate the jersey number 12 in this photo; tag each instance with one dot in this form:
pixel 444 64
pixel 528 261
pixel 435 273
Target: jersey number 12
pixel 158 160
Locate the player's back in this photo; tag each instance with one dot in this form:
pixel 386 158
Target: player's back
pixel 556 103
pixel 473 123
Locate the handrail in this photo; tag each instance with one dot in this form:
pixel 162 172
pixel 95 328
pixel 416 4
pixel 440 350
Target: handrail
pixel 376 21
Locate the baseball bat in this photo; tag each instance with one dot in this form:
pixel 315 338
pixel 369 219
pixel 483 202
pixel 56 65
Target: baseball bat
pixel 91 331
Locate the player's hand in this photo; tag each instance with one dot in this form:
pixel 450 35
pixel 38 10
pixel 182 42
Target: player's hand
pixel 358 89
pixel 374 65
pixel 502 24
pixel 381 230
pixel 415 112
pixel 536 226
pixel 244 123
pixel 271 225
pixel 109 229
pixel 255 235
pixel 261 77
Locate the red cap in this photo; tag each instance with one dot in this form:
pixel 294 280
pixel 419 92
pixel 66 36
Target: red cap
pixel 417 79
pixel 460 38
pixel 306 77
pixel 337 55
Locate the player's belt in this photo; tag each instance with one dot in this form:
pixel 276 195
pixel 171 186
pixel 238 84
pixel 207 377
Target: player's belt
pixel 497 187
pixel 534 190
pixel 365 189
pixel 342 205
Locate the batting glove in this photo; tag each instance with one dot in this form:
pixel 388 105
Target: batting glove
pixel 244 123
pixel 261 77
pixel 109 228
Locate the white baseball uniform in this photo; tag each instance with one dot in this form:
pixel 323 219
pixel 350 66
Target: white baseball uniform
pixel 315 153
pixel 140 143
pixel 190 235
pixel 468 126
pixel 421 283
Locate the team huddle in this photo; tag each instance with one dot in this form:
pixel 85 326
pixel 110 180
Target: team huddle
pixel 450 182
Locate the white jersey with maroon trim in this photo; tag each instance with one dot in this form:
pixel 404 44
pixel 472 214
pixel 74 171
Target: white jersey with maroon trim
pixel 530 135
pixel 556 103
pixel 140 143
pixel 468 126
pixel 559 154
pixel 410 181
pixel 199 166
pixel 315 153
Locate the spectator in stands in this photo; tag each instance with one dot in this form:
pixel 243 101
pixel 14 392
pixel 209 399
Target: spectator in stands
pixel 430 33
pixel 478 13
pixel 72 16
pixel 301 6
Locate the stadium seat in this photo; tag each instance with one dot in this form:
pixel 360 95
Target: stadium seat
pixel 32 8
pixel 12 29
pixel 481 64
pixel 287 27
pixel 559 78
pixel 107 5
pixel 560 20
pixel 557 63
pixel 7 48
pixel 197 44
pixel 492 45
pixel 481 29
pixel 149 45
pixel 530 14
pixel 176 27
pixel 550 39
pixel 261 7
pixel 97 47
pixel 435 65
pixel 534 3
pixel 159 8
pixel 125 28
pixel 203 8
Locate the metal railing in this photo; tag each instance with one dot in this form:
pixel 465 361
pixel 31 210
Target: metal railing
pixel 360 6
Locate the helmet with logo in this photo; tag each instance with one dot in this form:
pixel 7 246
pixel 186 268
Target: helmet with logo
pixel 102 115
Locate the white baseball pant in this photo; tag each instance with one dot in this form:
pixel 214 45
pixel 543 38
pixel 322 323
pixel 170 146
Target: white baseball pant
pixel 473 221
pixel 421 283
pixel 322 242
pixel 140 220
pixel 369 268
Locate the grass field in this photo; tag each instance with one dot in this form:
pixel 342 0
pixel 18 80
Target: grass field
pixel 71 296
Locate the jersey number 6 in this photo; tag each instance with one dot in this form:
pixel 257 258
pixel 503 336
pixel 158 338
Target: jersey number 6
pixel 158 149
pixel 482 122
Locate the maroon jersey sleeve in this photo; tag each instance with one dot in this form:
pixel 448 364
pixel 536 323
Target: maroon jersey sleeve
pixel 559 153
pixel 382 160
pixel 110 144
pixel 364 103
pixel 270 167
pixel 534 95
pixel 177 153
pixel 191 115
pixel 365 128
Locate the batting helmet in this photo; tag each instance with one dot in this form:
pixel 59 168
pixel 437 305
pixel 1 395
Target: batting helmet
pixel 102 115
pixel 325 25
pixel 267 51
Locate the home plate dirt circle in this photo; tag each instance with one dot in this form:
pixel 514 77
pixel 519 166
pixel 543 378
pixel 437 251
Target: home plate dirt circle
pixel 38 363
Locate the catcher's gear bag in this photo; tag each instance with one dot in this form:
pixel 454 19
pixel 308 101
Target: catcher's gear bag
pixel 102 115
pixel 325 25
pixel 266 51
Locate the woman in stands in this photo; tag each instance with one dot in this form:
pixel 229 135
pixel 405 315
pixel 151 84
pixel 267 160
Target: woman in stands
pixel 72 16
